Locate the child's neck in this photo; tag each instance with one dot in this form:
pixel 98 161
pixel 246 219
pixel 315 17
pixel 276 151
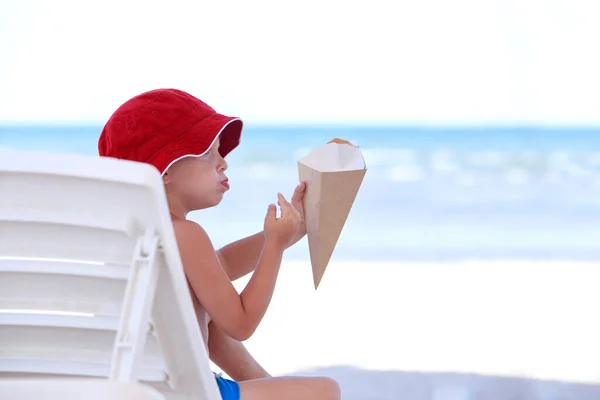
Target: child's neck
pixel 176 217
pixel 178 212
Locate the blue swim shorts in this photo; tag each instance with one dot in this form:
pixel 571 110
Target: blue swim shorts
pixel 230 390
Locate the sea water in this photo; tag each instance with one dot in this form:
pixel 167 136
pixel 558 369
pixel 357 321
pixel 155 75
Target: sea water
pixel 430 193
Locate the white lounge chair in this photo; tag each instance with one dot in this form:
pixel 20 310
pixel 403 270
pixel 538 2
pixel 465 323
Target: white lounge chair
pixel 87 244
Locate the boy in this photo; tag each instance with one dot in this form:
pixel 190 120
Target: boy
pixel 186 140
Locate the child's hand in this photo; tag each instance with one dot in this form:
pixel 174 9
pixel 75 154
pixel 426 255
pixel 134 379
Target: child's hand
pixel 298 203
pixel 282 230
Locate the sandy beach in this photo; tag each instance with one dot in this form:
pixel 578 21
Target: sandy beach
pixel 535 320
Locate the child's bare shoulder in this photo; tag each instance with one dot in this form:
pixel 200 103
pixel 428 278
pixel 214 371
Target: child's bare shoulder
pixel 191 237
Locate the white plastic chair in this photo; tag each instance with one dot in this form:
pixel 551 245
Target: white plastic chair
pixel 90 270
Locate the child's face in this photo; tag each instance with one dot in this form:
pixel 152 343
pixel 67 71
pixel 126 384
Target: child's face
pixel 194 183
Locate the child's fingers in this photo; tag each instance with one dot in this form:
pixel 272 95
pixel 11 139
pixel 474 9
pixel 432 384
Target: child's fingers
pixel 284 204
pixel 272 212
pixel 300 188
pixel 299 192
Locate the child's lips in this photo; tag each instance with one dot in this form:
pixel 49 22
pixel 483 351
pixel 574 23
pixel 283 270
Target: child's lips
pixel 225 184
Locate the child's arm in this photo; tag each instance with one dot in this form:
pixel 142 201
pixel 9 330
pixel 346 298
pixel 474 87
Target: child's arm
pixel 240 257
pixel 232 357
pixel 238 315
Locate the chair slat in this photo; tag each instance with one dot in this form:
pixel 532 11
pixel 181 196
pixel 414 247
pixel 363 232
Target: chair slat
pixel 61 293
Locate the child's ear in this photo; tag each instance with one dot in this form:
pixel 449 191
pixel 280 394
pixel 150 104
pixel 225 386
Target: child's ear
pixel 166 179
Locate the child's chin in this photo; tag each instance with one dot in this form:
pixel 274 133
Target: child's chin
pixel 208 203
pixel 217 200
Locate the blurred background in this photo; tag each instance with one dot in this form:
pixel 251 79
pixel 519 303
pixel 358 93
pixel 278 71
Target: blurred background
pixel 480 127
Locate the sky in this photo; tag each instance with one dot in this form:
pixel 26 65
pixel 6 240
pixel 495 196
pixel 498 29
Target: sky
pixel 429 62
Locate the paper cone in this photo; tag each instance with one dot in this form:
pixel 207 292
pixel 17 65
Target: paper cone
pixel 333 174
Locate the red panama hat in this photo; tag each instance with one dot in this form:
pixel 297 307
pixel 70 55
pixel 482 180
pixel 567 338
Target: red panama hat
pixel 162 126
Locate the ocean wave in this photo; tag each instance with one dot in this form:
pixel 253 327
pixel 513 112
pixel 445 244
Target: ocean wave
pixel 412 162
pixel 457 166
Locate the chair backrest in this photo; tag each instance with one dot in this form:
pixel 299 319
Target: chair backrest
pixel 91 282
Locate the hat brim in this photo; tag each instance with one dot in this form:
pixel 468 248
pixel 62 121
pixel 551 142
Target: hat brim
pixel 198 140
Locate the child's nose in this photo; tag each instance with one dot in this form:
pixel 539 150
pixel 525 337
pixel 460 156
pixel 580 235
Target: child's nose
pixel 222 165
